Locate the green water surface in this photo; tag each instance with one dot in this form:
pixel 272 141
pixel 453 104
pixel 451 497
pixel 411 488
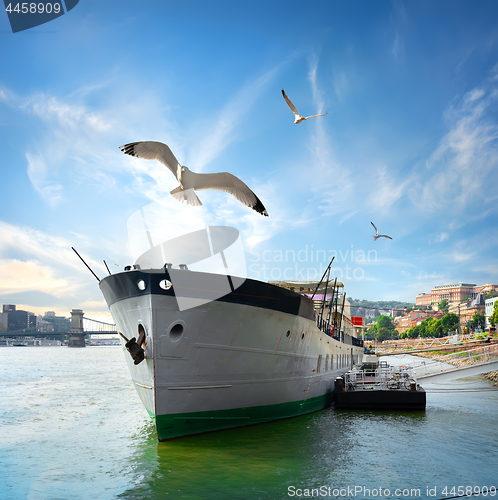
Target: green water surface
pixel 72 427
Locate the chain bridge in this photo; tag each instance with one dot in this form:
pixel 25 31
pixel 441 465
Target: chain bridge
pixel 81 327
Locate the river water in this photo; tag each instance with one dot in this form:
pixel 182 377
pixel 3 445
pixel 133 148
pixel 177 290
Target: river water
pixel 72 427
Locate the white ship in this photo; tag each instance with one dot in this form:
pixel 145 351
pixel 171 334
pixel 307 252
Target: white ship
pixel 214 351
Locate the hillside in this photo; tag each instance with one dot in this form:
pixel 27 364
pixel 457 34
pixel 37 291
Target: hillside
pixel 360 307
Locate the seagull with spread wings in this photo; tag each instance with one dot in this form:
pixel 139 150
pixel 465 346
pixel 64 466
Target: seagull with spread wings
pixel 190 181
pixel 298 118
pixel 377 235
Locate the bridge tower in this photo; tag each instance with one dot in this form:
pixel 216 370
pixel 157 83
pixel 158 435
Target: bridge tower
pixel 76 336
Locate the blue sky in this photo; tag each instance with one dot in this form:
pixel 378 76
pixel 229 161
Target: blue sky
pixel 409 141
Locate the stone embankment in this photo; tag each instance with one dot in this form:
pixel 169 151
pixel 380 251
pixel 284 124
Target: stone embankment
pixel 431 355
pixel 492 376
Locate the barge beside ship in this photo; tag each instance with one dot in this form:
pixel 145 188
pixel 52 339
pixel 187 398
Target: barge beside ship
pixel 379 386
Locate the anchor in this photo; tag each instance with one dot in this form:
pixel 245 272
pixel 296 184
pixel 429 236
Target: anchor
pixel 136 352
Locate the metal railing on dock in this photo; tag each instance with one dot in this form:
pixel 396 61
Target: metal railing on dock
pixel 382 378
pixel 457 360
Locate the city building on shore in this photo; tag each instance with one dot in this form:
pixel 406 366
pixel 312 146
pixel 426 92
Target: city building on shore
pixel 453 293
pixel 15 319
pixel 489 305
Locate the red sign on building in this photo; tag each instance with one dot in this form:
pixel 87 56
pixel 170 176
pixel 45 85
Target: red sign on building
pixel 357 320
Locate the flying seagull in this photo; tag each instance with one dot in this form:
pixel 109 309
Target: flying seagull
pixel 377 235
pixel 298 117
pixel 190 181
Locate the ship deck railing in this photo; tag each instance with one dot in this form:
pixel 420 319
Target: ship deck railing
pixel 383 378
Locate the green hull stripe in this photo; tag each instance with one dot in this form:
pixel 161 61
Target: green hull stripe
pixel 183 424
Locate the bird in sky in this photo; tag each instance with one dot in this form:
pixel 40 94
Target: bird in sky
pixel 190 181
pixel 298 117
pixel 377 235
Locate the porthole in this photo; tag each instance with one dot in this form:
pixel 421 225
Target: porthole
pixel 165 284
pixel 141 285
pixel 176 331
pixel 302 336
pixel 288 333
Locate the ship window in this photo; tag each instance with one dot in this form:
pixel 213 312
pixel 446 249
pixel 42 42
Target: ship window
pixel 288 333
pixel 142 285
pixel 165 284
pixel 302 336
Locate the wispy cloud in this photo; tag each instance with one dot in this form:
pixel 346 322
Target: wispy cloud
pixel 16 276
pixel 29 244
pixel 386 189
pixel 460 171
pixel 67 115
pixel 221 128
pixel 341 86
pixel 397 47
pixel 326 174
pixel 399 19
pixel 38 175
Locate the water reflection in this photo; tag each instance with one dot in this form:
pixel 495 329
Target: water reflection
pixel 325 448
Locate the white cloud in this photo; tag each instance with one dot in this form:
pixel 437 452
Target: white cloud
pixel 341 86
pixel 37 246
pixel 325 174
pixel 458 257
pixel 17 276
pixel 397 47
pixel 459 173
pixel 38 175
pixel 386 190
pixel 220 132
pixel 66 115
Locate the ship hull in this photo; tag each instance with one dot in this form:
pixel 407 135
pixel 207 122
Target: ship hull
pixel 250 356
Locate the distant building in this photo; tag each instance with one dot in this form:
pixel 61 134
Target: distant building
pixel 489 305
pixel 453 293
pixel 59 324
pixel 467 313
pixel 488 288
pixel 15 319
pixel 412 319
pixel 423 299
pixel 369 313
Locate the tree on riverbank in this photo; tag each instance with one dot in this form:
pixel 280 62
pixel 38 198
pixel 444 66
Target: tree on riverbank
pixel 479 320
pixel 444 306
pixel 383 329
pixel 432 327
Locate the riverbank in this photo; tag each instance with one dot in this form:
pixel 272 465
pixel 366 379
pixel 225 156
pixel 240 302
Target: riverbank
pixel 493 376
